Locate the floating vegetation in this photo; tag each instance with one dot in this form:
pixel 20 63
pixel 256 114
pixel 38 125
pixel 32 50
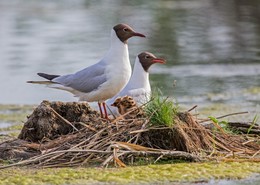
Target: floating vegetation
pixel 14 113
pixel 149 174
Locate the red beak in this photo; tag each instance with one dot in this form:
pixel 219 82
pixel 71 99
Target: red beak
pixel 138 34
pixel 159 60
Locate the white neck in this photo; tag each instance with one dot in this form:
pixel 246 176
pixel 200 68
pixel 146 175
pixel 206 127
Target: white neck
pixel 117 65
pixel 139 78
pixel 118 51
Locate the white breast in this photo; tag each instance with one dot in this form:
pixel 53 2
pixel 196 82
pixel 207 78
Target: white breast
pixel 118 71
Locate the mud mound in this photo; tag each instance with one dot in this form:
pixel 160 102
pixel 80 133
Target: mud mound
pixel 52 119
pixel 16 150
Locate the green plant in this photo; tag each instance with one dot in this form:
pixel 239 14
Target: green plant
pixel 253 123
pixel 161 110
pixel 223 125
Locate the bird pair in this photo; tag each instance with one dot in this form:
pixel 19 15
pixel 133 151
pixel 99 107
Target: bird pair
pixel 110 77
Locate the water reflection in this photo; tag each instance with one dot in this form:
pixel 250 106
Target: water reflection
pixel 211 33
pixel 212 47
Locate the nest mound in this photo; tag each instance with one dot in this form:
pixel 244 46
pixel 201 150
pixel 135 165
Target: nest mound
pixel 60 134
pixel 52 119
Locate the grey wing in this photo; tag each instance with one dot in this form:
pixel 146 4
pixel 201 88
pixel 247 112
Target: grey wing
pixel 85 80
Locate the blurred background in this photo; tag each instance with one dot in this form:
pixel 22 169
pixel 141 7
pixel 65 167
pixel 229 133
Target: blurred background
pixel 212 47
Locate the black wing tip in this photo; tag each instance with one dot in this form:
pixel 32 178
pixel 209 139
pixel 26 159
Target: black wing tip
pixel 47 76
pixel 40 74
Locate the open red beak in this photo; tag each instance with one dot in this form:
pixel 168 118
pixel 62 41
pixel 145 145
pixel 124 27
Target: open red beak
pixel 159 60
pixel 138 34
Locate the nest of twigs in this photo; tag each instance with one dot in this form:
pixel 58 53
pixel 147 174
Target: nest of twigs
pixel 72 134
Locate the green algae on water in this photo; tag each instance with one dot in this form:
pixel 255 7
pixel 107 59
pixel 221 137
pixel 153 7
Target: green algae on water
pixel 180 172
pixel 14 113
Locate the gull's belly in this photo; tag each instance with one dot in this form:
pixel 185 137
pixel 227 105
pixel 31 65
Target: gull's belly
pixel 107 90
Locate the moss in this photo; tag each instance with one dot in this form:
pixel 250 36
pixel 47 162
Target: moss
pixel 252 90
pixel 16 107
pixel 12 128
pixel 14 117
pixel 220 109
pixel 11 131
pixel 180 172
pixel 14 134
pixel 14 113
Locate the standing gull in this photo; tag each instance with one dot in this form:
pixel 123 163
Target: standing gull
pixel 138 86
pixel 102 80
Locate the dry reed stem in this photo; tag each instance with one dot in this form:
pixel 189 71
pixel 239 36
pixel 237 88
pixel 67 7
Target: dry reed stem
pixel 107 142
pixel 62 118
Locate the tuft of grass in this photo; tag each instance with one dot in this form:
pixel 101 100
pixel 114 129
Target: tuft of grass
pixel 223 124
pixel 253 123
pixel 161 110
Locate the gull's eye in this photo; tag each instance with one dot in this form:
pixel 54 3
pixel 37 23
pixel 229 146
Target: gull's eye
pixel 126 29
pixel 147 56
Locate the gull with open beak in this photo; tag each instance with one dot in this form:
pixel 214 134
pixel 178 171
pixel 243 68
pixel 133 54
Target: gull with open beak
pixel 102 80
pixel 138 86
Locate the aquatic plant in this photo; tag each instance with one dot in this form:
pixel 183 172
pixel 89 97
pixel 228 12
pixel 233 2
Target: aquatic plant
pixel 161 110
pixel 222 125
pixel 253 123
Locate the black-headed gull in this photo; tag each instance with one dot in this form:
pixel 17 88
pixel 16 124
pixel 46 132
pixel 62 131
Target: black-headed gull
pixel 138 86
pixel 102 80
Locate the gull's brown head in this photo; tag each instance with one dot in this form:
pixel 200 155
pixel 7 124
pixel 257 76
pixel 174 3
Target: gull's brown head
pixel 147 59
pixel 124 32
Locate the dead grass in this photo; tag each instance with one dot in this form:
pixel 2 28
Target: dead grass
pixel 90 140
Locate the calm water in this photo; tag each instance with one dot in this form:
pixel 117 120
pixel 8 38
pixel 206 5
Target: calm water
pixel 212 47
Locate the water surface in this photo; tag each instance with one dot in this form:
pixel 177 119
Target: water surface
pixel 212 47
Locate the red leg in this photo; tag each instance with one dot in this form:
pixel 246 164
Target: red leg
pixel 100 109
pixel 105 109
